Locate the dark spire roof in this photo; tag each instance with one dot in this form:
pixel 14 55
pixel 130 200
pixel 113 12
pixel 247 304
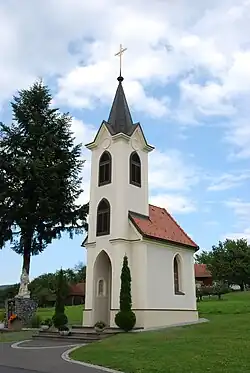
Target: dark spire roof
pixel 120 119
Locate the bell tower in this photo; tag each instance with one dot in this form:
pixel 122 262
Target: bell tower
pixel 119 172
pixel 118 185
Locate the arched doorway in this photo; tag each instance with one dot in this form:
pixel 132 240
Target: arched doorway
pixel 102 288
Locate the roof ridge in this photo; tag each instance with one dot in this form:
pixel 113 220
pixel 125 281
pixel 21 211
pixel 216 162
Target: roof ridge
pixel 138 214
pixel 171 217
pixel 150 204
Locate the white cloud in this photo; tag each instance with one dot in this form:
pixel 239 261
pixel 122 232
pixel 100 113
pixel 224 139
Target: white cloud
pixel 238 235
pixel 174 203
pixel 169 173
pixel 241 210
pixel 209 99
pixel 228 181
pixel 210 52
pixel 238 135
pixel 84 133
pixel 85 86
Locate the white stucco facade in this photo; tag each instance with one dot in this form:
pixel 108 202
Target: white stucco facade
pixel 151 263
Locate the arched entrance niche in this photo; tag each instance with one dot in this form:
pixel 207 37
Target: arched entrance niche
pixel 102 288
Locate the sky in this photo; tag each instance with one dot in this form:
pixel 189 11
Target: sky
pixel 187 81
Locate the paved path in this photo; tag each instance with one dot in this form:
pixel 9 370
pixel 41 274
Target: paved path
pixel 35 360
pixel 4 369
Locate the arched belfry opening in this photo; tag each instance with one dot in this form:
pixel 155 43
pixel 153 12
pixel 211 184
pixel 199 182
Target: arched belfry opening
pixel 135 169
pixel 103 218
pixel 105 169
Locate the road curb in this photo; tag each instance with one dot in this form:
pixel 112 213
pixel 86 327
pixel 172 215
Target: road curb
pixel 65 357
pixel 16 345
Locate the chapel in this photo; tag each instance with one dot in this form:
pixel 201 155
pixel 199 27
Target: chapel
pixel 122 222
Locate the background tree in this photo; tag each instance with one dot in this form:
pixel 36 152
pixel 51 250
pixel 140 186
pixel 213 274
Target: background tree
pixel 6 292
pixel 228 262
pixel 80 271
pixel 39 175
pixel 220 288
pixel 125 318
pixel 43 287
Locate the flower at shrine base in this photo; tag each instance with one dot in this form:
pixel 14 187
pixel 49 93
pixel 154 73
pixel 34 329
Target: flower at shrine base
pixel 13 318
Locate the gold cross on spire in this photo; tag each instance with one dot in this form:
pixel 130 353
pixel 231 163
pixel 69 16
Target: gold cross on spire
pixel 120 53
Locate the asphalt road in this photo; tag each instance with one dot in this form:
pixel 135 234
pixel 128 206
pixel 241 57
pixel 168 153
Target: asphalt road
pixel 46 360
pixel 4 369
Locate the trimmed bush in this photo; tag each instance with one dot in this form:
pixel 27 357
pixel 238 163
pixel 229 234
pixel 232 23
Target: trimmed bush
pixel 59 320
pixel 125 320
pixel 35 321
pixel 48 322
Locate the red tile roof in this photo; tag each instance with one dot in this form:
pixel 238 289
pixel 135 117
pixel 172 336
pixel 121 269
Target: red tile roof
pixel 77 289
pixel 201 270
pixel 160 225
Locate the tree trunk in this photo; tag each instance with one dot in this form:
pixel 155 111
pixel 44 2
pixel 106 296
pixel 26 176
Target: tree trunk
pixel 26 262
pixel 27 255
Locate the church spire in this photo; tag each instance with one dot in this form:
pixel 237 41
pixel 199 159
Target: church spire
pixel 120 118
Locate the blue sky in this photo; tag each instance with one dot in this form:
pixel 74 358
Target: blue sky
pixel 191 99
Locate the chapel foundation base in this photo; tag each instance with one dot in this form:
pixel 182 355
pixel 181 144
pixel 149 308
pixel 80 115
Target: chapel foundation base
pixel 159 318
pixel 147 319
pixel 87 318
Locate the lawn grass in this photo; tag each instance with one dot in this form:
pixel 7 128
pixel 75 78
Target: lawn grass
pixel 220 346
pixel 74 314
pixel 15 336
pixel 233 303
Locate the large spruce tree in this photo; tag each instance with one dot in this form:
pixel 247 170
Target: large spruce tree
pixel 39 175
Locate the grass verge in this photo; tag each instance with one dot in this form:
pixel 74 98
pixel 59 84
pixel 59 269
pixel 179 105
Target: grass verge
pixel 219 346
pixel 74 314
pixel 15 336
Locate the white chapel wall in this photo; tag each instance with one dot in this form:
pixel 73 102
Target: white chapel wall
pixel 160 278
pixel 138 269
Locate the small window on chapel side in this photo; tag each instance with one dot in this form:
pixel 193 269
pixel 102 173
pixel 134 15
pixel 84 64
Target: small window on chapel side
pixel 177 269
pixel 135 169
pixel 105 169
pixel 176 277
